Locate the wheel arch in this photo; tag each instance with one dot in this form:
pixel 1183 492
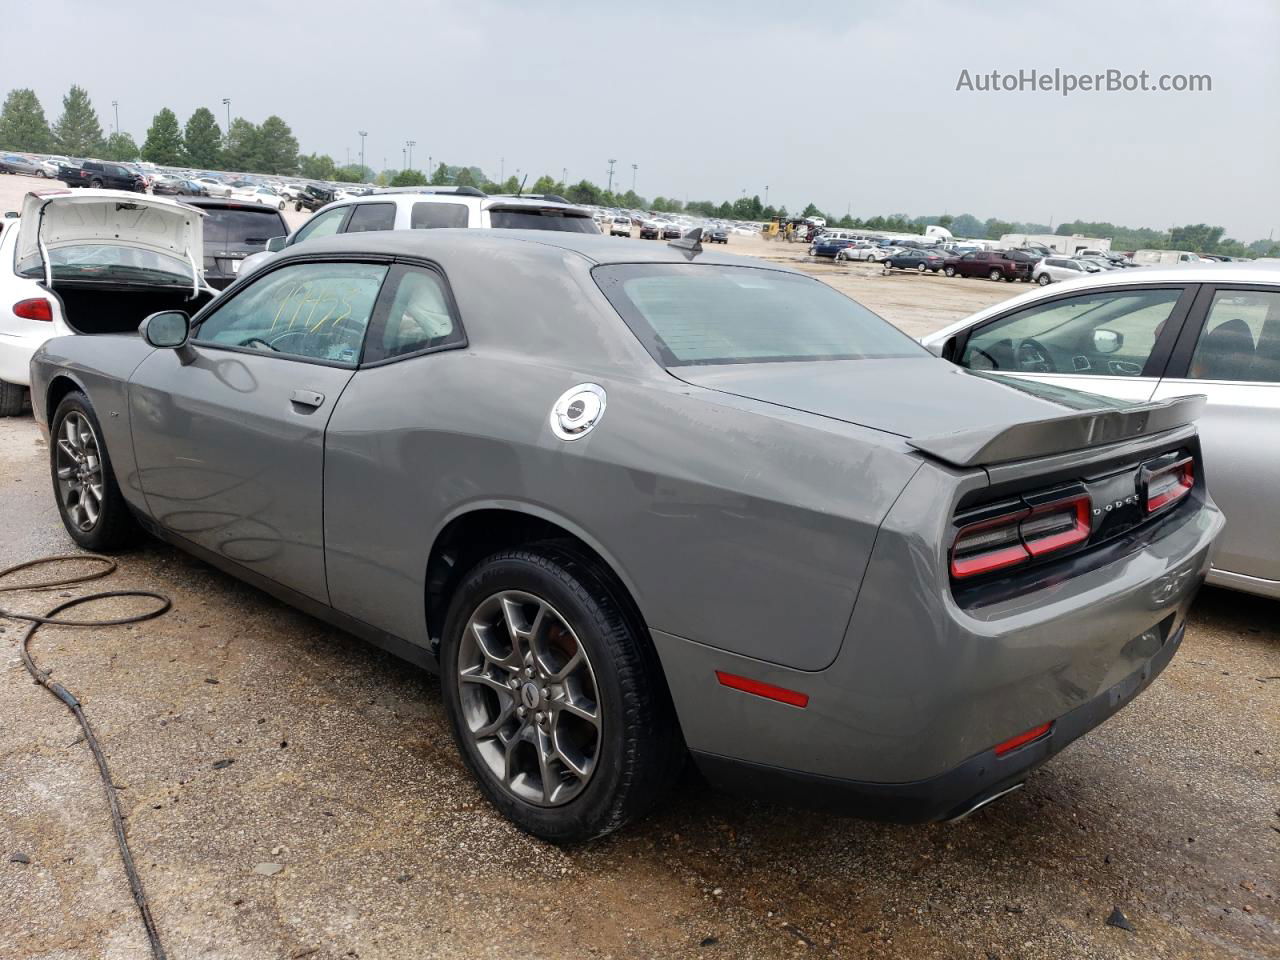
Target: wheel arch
pixel 60 385
pixel 473 532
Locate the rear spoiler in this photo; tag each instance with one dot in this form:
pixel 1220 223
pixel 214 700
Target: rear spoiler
pixel 1077 431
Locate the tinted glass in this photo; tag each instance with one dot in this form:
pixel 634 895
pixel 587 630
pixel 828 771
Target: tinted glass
pixel 702 314
pixel 544 220
pixel 241 229
pixel 324 225
pixel 1059 336
pixel 1241 338
pixel 372 216
pixel 94 261
pixel 429 216
pixel 314 310
pixel 418 318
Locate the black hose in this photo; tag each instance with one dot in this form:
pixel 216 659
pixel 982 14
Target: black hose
pixel 34 622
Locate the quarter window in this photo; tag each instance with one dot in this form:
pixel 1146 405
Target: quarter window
pixel 372 216
pixel 1240 339
pixel 417 317
pixel 429 216
pixel 1109 333
pixel 315 311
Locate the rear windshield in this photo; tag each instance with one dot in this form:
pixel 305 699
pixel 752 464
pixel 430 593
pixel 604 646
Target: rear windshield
pixel 688 314
pixel 100 261
pixel 542 220
pixel 224 227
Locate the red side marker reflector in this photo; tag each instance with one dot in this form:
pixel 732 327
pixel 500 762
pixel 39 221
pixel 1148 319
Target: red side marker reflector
pixel 1035 733
pixel 761 689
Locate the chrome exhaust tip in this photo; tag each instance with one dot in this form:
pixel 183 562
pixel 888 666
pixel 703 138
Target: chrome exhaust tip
pixel 968 811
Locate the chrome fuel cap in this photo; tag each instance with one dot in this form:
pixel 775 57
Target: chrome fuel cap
pixel 577 411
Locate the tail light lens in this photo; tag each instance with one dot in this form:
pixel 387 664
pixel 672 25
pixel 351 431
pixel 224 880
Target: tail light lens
pixel 1020 535
pixel 37 308
pixel 1168 485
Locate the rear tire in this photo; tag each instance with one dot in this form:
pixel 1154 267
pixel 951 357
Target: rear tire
pixel 631 751
pixel 1044 280
pixel 96 184
pixel 84 484
pixel 922 267
pixel 12 396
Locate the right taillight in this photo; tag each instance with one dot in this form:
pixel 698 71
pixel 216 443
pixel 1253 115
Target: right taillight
pixel 37 308
pixel 1020 535
pixel 1166 486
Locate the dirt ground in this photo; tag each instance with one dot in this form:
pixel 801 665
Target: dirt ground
pixel 342 774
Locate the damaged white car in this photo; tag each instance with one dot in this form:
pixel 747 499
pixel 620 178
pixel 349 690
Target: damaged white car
pixel 91 262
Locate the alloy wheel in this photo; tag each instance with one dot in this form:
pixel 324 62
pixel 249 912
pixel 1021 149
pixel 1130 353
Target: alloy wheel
pixel 529 698
pixel 79 466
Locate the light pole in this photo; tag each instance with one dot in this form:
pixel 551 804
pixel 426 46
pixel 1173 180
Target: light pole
pixel 564 176
pixel 611 163
pixel 634 168
pixel 226 102
pixel 411 144
pixel 766 194
pixel 502 169
pixel 116 106
pixel 363 134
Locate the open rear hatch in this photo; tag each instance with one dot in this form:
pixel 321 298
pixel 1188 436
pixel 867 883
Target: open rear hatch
pixel 113 257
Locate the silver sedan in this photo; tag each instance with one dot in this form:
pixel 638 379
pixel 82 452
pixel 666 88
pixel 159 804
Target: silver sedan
pixel 1154 334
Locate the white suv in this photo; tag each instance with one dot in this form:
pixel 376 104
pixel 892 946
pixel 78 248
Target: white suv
pixel 620 227
pixel 1051 269
pixel 424 208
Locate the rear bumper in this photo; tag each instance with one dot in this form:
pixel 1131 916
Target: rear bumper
pixel 947 795
pixel 16 351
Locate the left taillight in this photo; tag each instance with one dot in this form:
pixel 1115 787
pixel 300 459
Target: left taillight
pixel 37 308
pixel 1021 535
pixel 1167 485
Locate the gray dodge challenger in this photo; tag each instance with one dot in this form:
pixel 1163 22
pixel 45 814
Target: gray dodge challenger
pixel 642 502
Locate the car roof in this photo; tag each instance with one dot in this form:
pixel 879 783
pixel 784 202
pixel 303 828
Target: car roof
pixel 449 242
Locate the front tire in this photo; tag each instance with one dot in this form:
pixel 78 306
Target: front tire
pixel 12 396
pixel 555 695
pixel 949 271
pixel 994 275
pixel 84 483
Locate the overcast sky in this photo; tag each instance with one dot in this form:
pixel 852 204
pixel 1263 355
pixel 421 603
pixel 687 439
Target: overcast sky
pixel 851 105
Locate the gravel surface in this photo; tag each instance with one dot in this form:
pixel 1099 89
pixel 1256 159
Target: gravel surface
pixel 291 793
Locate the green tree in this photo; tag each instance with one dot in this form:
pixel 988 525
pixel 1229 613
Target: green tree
pixel 1197 237
pixel 78 132
pixel 995 228
pixel 464 178
pixel 584 191
pixel 812 211
pixel 120 146
pixel 164 140
pixel 317 166
pixel 409 178
pixel 353 173
pixel 22 123
pixel 945 221
pixel 242 146
pixel 546 184
pixel 277 148
pixel 202 139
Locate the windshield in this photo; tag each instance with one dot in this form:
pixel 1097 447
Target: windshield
pixel 227 228
pixel 100 261
pixel 703 314
pixel 535 219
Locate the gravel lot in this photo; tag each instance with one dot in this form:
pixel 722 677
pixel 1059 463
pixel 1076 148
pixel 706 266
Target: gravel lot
pixel 344 776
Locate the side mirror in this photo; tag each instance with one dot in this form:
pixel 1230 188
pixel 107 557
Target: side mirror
pixel 276 244
pixel 1107 341
pixel 169 330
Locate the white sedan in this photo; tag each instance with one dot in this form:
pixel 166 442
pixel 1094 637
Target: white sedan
pixel 263 195
pixel 215 188
pixel 1151 335
pixel 91 261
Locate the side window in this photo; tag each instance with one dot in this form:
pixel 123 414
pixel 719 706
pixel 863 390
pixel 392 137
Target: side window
pixel 417 317
pixel 323 225
pixel 427 216
pixel 1240 339
pixel 372 216
pixel 316 311
pixel 1110 333
pixel 970 256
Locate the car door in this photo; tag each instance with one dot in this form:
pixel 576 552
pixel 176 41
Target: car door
pixel 229 435
pixel 971 264
pixel 1113 341
pixel 1229 350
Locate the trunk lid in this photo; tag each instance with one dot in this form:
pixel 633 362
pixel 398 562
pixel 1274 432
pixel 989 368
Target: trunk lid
pixel 955 415
pixel 54 220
